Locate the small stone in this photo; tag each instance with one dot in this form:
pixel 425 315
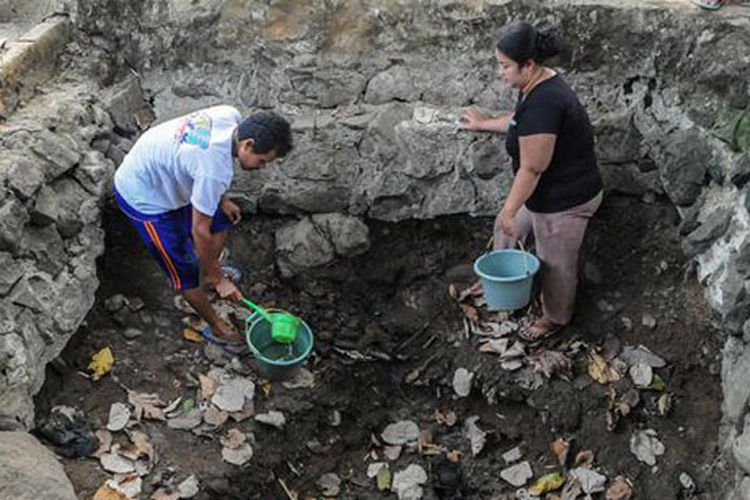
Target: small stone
pixel 272 418
pixel 303 380
pixel 392 452
pixel 189 487
pixel 114 303
pixel 462 382
pixel 512 455
pixel 687 482
pixel 335 418
pixel 214 416
pixel 517 475
pixel 646 446
pixel 135 304
pixel 590 480
pixel 231 395
pixel 402 432
pixel 407 483
pixel 329 484
pixel 649 321
pixel 641 374
pixel 186 421
pixel 605 306
pixel 476 436
pixel 215 354
pixel 237 456
pixel 641 354
pixel 374 468
pixel 132 333
pixel 119 414
pixel 111 462
pixel 627 323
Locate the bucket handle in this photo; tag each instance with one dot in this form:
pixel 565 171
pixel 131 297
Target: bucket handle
pixel 525 257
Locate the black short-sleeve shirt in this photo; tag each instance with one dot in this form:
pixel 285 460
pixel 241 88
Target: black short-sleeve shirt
pixel 572 177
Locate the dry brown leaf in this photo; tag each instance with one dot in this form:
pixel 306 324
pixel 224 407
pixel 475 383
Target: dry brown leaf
pixel 215 416
pixel 620 489
pixel 106 493
pixel 161 494
pixel 470 312
pixel 105 442
pixel 585 459
pixel 601 370
pixel 266 387
pixel 148 406
pixel 139 447
pixel 560 448
pixel 192 335
pixel 448 418
pixel 208 386
pixel 550 363
pixel 454 456
pixel 664 404
pixel 234 438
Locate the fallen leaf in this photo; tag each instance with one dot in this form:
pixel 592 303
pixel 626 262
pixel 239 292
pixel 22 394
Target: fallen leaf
pixel 192 335
pixel 119 414
pixel 601 370
pixel 664 404
pixel 550 363
pixel 237 456
pixel 148 406
pixel 470 312
pixel 424 441
pixel 620 489
pixel 384 478
pixel 266 388
pixel 329 484
pixel 560 448
pixel 101 363
pixel 106 493
pixel 129 485
pixel 208 386
pixel 233 439
pixel 547 483
pixel 657 383
pixel 214 416
pixel 163 494
pixel 448 418
pixel 454 456
pixel 105 442
pixel 392 452
pixel 140 447
pixel 585 458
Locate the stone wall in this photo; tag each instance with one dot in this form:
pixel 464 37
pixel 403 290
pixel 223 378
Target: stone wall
pixel 374 88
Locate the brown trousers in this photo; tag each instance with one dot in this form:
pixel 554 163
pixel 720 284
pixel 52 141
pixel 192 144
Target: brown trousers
pixel 558 237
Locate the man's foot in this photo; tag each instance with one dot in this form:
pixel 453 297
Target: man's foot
pixel 539 329
pixel 224 336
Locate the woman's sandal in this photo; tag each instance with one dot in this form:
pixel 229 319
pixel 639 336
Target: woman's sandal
pixel 539 329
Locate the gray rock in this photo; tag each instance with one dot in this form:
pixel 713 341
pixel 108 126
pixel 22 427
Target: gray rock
pixel 349 235
pixel 395 83
pixel 517 475
pixel 25 176
pixel 714 224
pixel 684 166
pixel 302 245
pixel 401 432
pixel 741 447
pixel 646 446
pixel 10 272
pixel 46 247
pixel 60 151
pixel 122 101
pixel 29 471
pixel 272 418
pixel 407 483
pixel 186 421
pixel 13 218
pixel 132 333
pixel 66 204
pixel 590 480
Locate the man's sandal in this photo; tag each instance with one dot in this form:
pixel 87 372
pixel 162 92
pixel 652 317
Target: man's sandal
pixel 539 329
pixel 709 4
pixel 234 348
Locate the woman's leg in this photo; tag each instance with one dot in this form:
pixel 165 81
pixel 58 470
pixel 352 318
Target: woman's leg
pixel 558 241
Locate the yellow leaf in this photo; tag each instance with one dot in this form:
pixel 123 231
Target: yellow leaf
pixel 101 363
pixel 547 483
pixel 192 335
pixel 106 493
pixel 600 369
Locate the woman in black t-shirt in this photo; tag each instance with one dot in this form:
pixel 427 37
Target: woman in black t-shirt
pixel 557 186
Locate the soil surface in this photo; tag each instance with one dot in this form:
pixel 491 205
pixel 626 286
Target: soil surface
pixel 380 316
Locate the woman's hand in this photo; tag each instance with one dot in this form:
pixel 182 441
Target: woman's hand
pixel 231 209
pixel 508 222
pixel 473 119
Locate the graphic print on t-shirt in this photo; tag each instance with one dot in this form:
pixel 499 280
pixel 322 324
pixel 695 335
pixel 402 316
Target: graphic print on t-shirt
pixel 195 130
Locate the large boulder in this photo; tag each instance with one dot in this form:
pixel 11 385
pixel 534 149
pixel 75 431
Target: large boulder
pixel 29 471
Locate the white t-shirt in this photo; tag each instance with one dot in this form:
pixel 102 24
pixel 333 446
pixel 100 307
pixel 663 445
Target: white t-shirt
pixel 187 160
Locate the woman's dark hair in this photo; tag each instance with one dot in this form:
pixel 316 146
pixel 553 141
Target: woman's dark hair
pixel 521 41
pixel 268 131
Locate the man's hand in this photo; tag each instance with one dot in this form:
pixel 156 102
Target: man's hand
pixel 225 288
pixel 231 209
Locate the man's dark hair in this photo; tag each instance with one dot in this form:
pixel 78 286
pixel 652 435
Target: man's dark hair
pixel 269 131
pixel 521 41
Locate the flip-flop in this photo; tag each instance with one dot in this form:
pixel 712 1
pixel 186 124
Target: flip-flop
pixel 523 333
pixel 708 6
pixel 230 348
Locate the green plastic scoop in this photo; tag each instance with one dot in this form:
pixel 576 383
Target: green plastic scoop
pixel 284 326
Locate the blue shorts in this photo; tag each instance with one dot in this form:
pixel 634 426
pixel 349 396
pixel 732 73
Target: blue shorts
pixel 168 237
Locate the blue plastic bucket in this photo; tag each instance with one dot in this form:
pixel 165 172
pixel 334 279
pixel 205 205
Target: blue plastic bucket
pixel 277 361
pixel 507 276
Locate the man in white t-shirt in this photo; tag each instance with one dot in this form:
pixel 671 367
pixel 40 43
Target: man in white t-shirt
pixel 172 185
